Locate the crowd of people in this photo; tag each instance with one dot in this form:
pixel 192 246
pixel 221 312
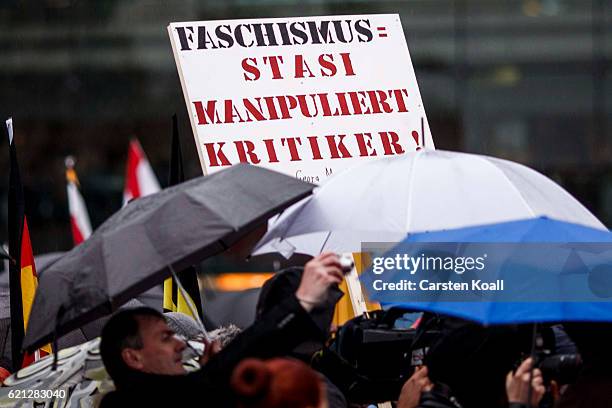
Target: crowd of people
pixel 267 364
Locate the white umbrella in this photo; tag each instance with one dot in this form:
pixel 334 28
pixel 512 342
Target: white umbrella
pixel 383 200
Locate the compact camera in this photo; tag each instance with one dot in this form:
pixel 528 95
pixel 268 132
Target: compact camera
pixel 346 263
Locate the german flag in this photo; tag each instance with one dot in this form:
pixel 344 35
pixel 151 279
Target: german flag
pixel 29 283
pixel 22 272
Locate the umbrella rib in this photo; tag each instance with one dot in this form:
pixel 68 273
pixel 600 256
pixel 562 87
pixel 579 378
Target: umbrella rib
pixel 110 298
pixel 325 241
pixel 410 189
pixel 510 183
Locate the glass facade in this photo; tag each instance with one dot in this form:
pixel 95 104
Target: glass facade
pixel 527 80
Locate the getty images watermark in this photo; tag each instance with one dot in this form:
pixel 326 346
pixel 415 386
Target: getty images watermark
pixel 500 272
pixel 426 263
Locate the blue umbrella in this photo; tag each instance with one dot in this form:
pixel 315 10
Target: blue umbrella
pixel 558 271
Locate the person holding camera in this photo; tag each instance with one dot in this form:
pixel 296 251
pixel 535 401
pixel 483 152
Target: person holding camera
pixel 518 384
pixel 420 392
pixel 144 358
pixel 283 284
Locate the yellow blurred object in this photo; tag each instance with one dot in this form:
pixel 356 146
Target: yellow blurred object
pixel 174 301
pixel 240 281
pixel 532 8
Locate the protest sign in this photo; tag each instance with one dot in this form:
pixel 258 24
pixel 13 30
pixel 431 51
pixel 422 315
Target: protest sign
pixel 306 96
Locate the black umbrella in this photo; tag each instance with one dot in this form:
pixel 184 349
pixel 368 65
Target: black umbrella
pixel 135 248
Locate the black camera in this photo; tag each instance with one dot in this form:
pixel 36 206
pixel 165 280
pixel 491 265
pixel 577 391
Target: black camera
pixel 556 364
pixel 562 368
pixel 370 359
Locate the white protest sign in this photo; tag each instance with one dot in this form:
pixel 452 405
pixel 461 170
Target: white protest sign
pixel 306 96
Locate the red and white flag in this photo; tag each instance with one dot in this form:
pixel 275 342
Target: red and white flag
pixel 140 179
pixel 79 218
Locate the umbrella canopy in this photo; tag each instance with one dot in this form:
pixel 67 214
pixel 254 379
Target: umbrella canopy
pixel 383 200
pixel 90 331
pixel 567 269
pixel 43 261
pixel 152 298
pixel 134 249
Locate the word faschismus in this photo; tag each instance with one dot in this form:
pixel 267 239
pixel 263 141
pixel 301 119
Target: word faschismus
pixel 203 37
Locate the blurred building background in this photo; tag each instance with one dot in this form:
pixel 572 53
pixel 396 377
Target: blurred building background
pixel 527 80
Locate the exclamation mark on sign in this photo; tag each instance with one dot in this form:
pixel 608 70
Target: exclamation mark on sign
pixel 419 139
pixel 382 31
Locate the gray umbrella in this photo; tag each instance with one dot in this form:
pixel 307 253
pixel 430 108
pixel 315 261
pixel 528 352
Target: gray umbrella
pixel 135 248
pixel 75 337
pixel 152 298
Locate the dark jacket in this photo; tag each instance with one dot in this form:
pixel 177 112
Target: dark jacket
pixel 592 389
pixel 285 283
pixel 274 334
pixel 440 396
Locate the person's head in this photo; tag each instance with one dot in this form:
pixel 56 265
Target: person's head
pixel 139 339
pixel 277 383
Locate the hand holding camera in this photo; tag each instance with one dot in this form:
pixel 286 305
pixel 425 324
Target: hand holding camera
pixel 319 274
pixel 519 383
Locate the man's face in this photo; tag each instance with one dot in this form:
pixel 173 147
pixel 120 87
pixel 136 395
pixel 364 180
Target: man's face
pixel 161 352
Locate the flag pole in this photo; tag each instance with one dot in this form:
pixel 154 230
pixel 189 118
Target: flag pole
pixel 190 304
